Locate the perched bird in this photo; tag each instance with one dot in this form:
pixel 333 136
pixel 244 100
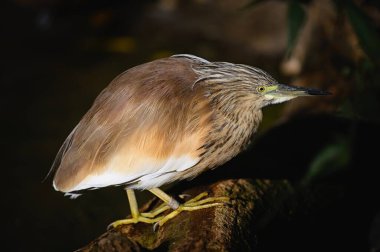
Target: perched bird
pixel 163 121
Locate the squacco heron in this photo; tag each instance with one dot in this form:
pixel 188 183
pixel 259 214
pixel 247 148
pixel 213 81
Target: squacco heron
pixel 164 121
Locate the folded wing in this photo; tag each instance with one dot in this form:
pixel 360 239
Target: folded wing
pixel 149 122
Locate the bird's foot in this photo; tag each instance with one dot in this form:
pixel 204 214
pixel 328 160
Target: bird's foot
pixel 134 220
pixel 196 203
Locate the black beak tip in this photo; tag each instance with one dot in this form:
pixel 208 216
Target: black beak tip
pixel 318 92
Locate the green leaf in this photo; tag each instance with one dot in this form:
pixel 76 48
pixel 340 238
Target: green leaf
pixel 365 30
pixel 333 158
pixel 296 18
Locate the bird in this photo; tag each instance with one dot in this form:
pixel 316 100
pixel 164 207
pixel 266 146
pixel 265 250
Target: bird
pixel 164 121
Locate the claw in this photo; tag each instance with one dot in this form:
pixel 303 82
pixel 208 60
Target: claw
pixel 155 227
pixel 184 196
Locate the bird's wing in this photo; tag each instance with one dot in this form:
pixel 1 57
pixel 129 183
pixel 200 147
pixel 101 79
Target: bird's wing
pixel 149 121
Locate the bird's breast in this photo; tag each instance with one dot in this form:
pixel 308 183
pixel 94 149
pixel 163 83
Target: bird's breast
pixel 227 138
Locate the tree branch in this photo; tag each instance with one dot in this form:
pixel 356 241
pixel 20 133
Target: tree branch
pixel 229 227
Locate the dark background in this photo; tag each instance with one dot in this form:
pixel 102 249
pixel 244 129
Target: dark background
pixel 56 56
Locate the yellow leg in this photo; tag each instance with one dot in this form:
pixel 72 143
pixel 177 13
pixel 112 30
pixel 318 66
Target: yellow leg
pixel 136 216
pixel 170 201
pixel 196 203
pixel 133 203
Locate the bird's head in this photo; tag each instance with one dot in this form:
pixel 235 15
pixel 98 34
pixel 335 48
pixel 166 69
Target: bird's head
pixel 248 83
pixel 272 93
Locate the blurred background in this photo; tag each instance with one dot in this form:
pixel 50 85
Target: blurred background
pixel 57 55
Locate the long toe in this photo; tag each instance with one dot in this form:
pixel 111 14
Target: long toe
pixel 160 209
pixel 197 203
pixel 133 221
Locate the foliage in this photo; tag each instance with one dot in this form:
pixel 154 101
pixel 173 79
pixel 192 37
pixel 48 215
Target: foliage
pixel 296 19
pixel 331 159
pixel 363 103
pixel 365 31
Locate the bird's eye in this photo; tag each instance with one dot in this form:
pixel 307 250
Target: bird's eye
pixel 261 89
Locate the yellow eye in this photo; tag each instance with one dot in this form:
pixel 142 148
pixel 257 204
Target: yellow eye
pixel 261 89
